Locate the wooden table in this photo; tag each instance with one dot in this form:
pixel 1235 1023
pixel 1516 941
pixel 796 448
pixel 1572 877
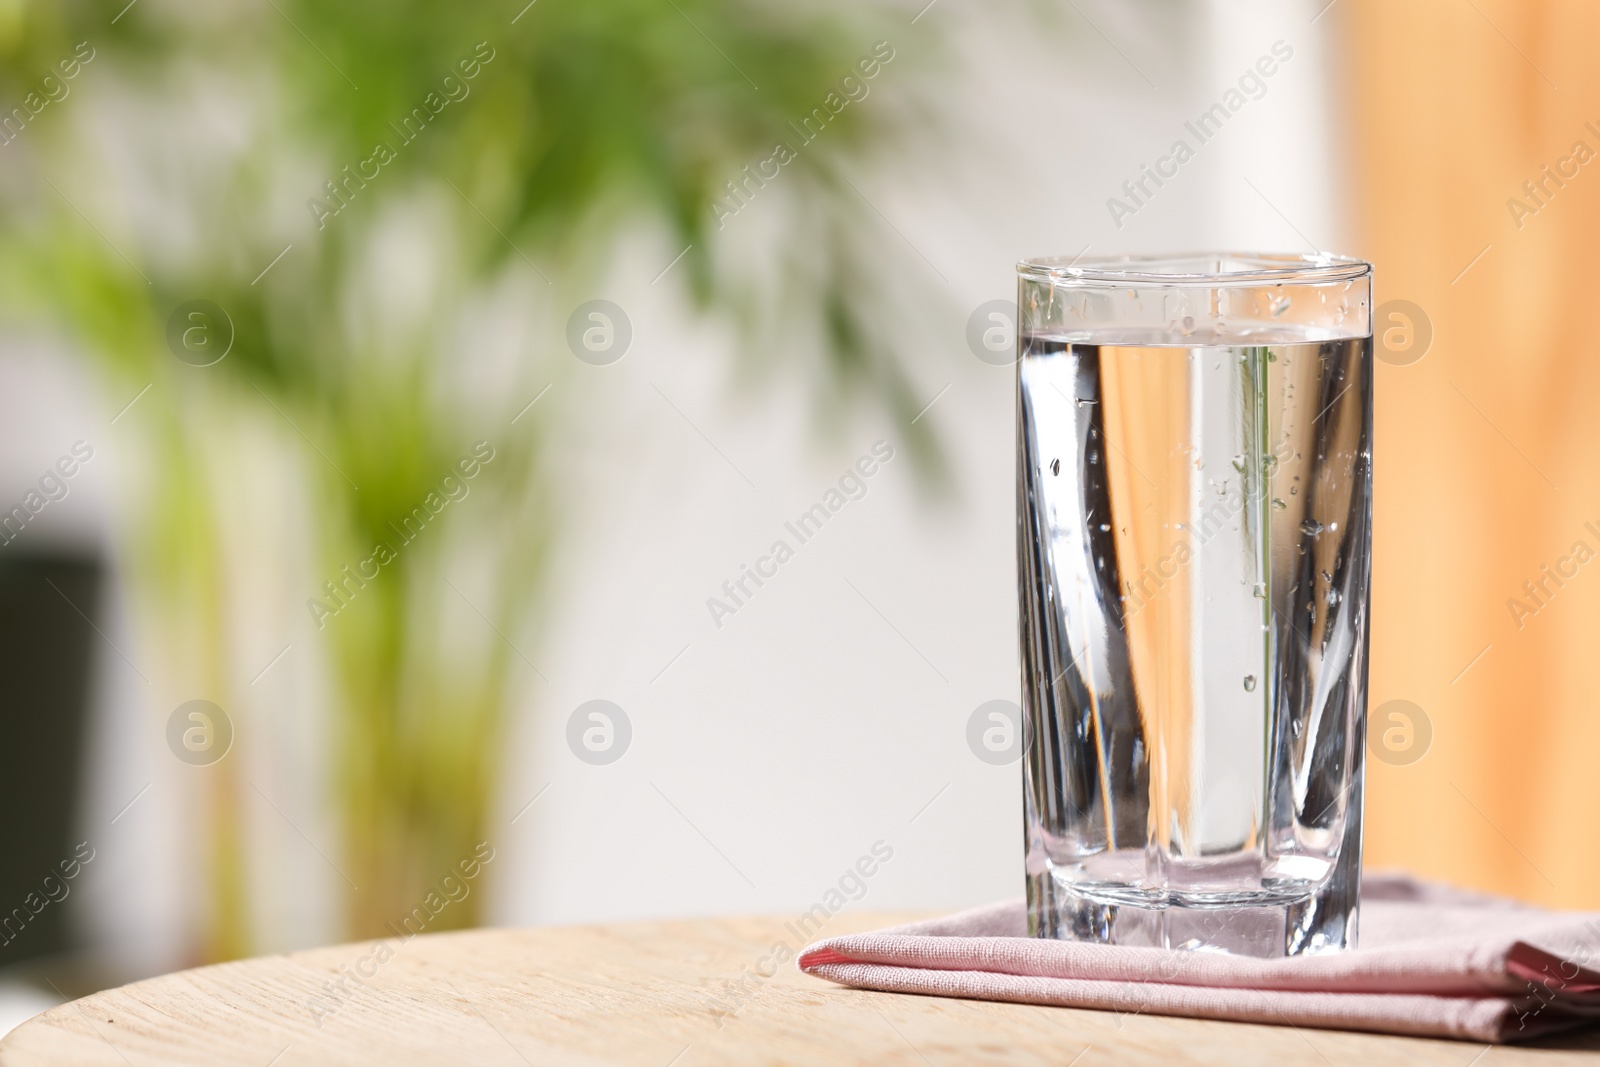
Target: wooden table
pixel 655 994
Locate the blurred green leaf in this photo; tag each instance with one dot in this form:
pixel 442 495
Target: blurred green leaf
pixel 552 131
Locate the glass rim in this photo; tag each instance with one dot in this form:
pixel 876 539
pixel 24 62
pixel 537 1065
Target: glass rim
pixel 1146 270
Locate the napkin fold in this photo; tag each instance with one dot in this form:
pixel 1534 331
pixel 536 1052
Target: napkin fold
pixel 1433 961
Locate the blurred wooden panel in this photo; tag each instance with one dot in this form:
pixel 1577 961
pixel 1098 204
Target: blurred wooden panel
pixel 1487 459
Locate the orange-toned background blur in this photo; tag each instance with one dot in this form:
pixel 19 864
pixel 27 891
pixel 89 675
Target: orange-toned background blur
pixel 1485 451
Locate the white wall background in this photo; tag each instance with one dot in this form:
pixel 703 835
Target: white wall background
pixel 777 748
pixel 830 713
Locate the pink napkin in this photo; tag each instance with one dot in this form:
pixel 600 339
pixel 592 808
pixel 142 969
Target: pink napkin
pixel 1433 961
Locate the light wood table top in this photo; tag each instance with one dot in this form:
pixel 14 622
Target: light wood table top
pixel 654 994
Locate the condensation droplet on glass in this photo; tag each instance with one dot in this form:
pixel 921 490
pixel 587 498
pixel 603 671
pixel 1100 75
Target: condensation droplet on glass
pixel 1238 464
pixel 1333 597
pixel 1279 304
pixel 1326 576
pixel 1055 466
pixel 1278 503
pixel 1293 489
pixel 1311 527
pixel 1249 683
pixel 1260 591
pixel 1105 527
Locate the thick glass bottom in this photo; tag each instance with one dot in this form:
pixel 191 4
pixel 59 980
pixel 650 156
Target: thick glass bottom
pixel 1293 919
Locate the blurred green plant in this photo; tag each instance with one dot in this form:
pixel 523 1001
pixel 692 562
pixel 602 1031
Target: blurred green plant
pixel 584 123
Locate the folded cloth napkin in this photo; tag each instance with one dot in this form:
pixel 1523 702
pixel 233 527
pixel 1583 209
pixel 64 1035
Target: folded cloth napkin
pixel 1433 961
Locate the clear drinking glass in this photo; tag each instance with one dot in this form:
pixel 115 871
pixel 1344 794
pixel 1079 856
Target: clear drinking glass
pixel 1194 506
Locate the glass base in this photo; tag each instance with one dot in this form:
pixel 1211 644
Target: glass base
pixel 1267 925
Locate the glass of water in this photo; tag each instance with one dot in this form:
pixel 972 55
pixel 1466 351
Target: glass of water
pixel 1194 512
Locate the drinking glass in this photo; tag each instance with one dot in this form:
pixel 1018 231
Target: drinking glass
pixel 1194 512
